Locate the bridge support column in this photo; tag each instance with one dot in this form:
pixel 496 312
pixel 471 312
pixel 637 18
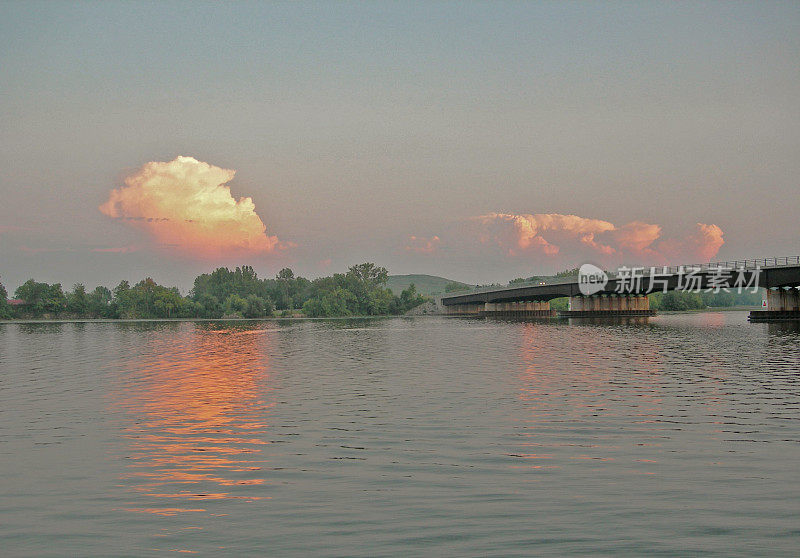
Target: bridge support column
pixel 780 304
pixel 783 300
pixel 608 305
pixel 532 309
pixel 472 309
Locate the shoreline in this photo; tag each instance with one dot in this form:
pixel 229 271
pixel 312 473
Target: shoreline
pixel 304 318
pixel 174 320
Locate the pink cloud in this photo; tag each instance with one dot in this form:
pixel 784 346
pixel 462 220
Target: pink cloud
pixel 422 245
pixel 521 234
pixel 703 244
pixel 186 204
pixel 637 237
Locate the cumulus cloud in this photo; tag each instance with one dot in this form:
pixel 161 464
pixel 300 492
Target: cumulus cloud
pixel 422 245
pixel 637 237
pixel 527 231
pixel 544 233
pixel 703 243
pixel 186 204
pixel 707 240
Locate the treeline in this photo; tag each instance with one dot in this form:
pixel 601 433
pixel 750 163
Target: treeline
pixel 537 278
pixel 454 287
pixel 223 293
pixel 686 300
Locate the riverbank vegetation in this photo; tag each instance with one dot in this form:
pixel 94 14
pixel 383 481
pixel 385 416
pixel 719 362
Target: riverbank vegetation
pixel 223 293
pixel 685 300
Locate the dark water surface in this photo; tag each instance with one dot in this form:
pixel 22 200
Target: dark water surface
pixel 403 437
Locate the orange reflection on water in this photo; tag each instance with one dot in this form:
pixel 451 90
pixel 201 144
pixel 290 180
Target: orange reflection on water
pixel 165 512
pixel 197 410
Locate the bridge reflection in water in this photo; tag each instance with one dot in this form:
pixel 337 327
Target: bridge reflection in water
pixel 196 419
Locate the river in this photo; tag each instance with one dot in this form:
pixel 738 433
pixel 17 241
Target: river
pixel 431 436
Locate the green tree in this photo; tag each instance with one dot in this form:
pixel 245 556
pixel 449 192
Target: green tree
pixel 34 295
pixel 676 301
pixel 56 301
pixel 287 290
pixel 722 298
pixel 123 305
pixel 143 298
pixel 409 298
pixel 367 282
pixel 335 302
pixel 235 305
pixel 166 302
pixel 78 300
pixel 454 287
pixel 41 298
pixel 519 280
pixel 210 307
pixel 100 302
pixel 257 307
pixel 5 307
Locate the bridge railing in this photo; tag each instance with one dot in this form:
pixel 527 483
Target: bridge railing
pixel 763 262
pixel 736 264
pixel 775 261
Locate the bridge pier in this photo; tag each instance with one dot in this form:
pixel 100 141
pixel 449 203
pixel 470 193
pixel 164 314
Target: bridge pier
pixel 473 309
pixel 780 304
pixel 608 305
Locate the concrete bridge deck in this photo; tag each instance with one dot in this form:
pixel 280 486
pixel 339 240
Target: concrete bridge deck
pixel 626 293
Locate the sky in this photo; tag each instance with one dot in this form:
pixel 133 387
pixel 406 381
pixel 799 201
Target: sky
pixel 477 141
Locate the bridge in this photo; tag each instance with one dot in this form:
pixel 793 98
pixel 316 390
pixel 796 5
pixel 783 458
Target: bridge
pixel 624 292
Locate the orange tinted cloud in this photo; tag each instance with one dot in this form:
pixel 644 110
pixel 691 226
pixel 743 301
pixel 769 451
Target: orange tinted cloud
pixel 707 240
pixel 186 204
pixel 637 237
pixel 530 233
pixel 422 245
pixel 703 243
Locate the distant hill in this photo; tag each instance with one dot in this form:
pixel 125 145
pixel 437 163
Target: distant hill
pixel 426 284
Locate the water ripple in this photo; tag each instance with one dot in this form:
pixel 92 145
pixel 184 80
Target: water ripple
pixel 673 436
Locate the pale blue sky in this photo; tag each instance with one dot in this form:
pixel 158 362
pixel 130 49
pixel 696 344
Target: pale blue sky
pixel 355 125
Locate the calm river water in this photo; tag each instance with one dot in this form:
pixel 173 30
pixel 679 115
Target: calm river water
pixel 401 437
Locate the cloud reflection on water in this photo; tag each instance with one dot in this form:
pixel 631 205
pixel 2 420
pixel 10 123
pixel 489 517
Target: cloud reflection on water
pixel 196 414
